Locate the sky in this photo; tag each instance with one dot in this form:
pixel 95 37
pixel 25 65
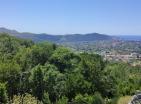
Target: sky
pixel 112 17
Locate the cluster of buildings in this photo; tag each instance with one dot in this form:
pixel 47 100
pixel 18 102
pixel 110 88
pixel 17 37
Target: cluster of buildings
pixel 112 56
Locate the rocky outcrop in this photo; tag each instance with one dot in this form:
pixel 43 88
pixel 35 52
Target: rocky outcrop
pixel 136 99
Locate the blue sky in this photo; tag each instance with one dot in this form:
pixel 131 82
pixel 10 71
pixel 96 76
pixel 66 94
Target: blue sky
pixel 113 17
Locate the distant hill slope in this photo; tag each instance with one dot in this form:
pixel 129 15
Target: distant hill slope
pixel 58 38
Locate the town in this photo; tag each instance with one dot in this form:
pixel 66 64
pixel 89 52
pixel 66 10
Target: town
pixel 131 58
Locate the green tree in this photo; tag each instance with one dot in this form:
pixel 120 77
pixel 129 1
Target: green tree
pixel 40 53
pixel 55 82
pixel 37 82
pixel 91 67
pixel 76 83
pixel 10 45
pixel 3 94
pixel 9 73
pixel 46 99
pixel 23 58
pixel 64 59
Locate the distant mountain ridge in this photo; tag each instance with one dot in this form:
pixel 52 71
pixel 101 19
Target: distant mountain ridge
pixel 58 38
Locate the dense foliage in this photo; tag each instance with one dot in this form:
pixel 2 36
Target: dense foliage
pixel 44 73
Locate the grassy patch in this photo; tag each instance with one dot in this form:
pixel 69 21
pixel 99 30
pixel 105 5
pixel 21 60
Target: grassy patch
pixel 124 100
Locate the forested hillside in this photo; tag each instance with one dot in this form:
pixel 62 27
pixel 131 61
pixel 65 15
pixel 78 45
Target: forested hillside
pixel 56 37
pixel 45 73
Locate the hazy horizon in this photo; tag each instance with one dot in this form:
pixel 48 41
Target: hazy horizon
pixel 71 33
pixel 111 17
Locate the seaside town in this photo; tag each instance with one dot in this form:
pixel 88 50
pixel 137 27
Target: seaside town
pixel 131 58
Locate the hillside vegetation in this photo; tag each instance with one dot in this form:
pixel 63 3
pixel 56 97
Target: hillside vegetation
pixel 45 73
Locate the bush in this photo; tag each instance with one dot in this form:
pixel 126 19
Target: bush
pixel 27 99
pixel 63 100
pixel 97 99
pixel 89 99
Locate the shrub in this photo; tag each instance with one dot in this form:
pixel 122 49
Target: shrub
pixel 27 99
pixel 89 99
pixel 63 100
